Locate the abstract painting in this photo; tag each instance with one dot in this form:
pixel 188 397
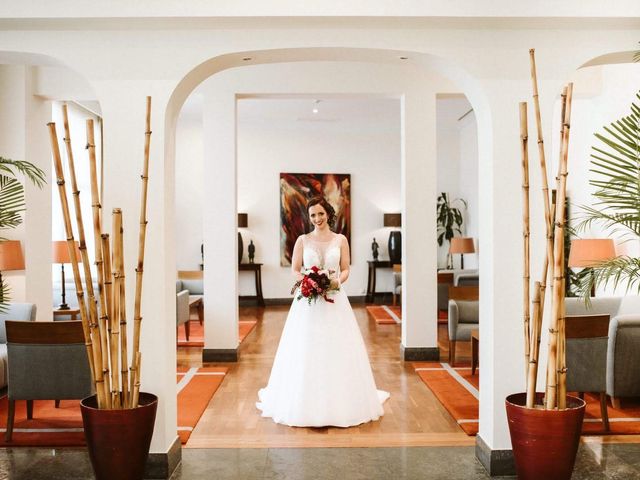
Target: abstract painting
pixel 295 190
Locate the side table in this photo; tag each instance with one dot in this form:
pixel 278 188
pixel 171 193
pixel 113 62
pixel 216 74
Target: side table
pixel 69 312
pixel 475 343
pixel 371 281
pixel 256 268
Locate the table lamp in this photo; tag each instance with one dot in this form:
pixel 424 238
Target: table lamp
pixel 11 258
pixel 60 252
pixel 462 245
pixel 243 222
pixel 590 252
pixel 395 237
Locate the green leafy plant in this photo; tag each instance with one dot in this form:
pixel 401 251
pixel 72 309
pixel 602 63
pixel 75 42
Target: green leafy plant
pixel 616 166
pixel 449 219
pixel 12 201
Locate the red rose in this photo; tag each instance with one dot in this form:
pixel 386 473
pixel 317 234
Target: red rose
pixel 315 269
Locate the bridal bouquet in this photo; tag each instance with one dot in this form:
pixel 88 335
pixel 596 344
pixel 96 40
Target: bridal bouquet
pixel 315 284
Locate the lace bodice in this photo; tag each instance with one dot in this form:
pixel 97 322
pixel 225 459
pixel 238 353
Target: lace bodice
pixel 321 254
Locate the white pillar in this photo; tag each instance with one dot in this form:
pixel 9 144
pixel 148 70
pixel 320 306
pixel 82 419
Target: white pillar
pixel 419 245
pixel 220 226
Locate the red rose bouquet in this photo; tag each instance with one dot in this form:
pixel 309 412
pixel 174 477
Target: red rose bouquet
pixel 315 284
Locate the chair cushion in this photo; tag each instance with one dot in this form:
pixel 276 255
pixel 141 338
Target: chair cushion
pixel 464 331
pixel 468 311
pixel 194 286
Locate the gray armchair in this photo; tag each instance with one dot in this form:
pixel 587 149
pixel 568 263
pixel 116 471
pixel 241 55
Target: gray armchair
pixel 21 312
pixel 463 319
pixel 182 309
pixel 397 283
pixel 47 361
pixel 623 358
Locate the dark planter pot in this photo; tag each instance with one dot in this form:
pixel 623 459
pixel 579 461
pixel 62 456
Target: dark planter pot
pixel 395 247
pixel 240 248
pixel 544 442
pixel 118 440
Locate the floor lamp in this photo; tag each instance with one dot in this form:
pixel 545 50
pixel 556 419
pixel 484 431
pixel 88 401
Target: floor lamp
pixel 60 252
pixel 589 253
pixel 462 245
pixel 11 258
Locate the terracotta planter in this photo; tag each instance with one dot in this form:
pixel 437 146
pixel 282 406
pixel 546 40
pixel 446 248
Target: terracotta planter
pixel 118 440
pixel 545 442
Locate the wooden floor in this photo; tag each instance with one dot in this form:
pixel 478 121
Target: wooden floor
pixel 413 416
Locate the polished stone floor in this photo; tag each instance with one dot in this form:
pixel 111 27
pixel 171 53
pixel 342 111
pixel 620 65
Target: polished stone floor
pixel 595 461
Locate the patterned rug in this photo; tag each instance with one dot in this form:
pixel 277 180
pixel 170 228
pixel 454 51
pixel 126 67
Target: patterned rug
pixel 392 315
pixel 457 390
pixel 196 333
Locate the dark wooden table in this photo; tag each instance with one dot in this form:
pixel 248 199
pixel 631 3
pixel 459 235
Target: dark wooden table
pixel 371 281
pixel 475 342
pixel 69 312
pixel 256 268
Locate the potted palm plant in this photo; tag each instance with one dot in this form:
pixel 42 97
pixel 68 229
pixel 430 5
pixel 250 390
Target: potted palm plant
pixel 12 203
pixel 545 427
pixel 450 220
pixel 119 419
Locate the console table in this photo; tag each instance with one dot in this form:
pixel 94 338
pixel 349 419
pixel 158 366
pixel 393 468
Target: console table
pixel 371 281
pixel 256 268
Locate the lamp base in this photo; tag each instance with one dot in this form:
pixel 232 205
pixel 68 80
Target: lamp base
pixel 63 306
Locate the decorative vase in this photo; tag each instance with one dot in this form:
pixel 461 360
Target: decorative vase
pixel 395 247
pixel 544 442
pixel 240 248
pixel 118 440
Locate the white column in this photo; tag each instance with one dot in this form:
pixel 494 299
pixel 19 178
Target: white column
pixel 419 245
pixel 123 106
pixel 220 225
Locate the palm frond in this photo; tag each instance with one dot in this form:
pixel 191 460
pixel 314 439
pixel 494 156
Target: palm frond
pixel 636 56
pixel 12 202
pixel 623 270
pixel 10 168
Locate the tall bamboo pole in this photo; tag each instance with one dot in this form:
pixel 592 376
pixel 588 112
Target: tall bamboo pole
pixel 117 299
pixel 137 317
pixel 84 316
pixel 534 348
pixel 103 318
pixel 118 242
pixel 557 317
pixel 93 311
pixel 525 230
pixel 113 327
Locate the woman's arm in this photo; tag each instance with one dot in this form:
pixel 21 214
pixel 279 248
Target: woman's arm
pixel 345 256
pixel 296 259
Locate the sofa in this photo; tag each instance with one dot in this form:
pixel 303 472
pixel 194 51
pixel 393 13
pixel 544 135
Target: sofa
pixel 623 344
pixel 25 312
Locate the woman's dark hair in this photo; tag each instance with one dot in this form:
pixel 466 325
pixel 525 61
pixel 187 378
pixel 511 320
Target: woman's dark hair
pixel 331 213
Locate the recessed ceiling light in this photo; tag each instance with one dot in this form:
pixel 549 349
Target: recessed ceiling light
pixel 246 59
pixel 404 58
pixel 315 106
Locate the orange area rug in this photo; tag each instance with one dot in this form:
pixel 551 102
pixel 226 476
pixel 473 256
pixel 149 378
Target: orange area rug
pixel 457 390
pixel 392 315
pixel 196 333
pixel 62 427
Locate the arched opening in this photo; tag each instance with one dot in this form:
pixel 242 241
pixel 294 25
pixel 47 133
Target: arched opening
pixel 411 334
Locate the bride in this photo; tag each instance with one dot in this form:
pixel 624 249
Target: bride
pixel 321 374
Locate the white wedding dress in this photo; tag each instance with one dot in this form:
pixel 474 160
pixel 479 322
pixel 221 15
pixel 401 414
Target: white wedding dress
pixel 321 374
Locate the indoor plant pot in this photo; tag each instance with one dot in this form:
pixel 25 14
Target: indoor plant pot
pixel 544 442
pixel 118 440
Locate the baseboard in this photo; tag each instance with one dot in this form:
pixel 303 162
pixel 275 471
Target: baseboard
pixel 420 354
pixel 219 355
pixel 162 465
pixel 495 462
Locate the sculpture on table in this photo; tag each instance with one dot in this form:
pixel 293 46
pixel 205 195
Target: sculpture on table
pixel 252 251
pixel 374 249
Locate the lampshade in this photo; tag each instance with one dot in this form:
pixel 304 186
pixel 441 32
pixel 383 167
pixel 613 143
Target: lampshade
pixel 11 257
pixel 462 245
pixel 243 220
pixel 392 219
pixel 589 252
pixel 60 251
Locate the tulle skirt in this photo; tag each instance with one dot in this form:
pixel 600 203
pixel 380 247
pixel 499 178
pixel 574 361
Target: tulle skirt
pixel 321 374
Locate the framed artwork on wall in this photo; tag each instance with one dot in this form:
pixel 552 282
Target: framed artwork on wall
pixel 295 190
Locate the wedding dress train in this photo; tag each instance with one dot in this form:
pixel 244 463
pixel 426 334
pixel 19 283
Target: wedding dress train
pixel 321 374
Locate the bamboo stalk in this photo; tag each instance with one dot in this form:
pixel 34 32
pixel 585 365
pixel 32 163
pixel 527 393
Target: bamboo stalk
pixel 91 299
pixel 534 348
pixel 84 316
pixel 137 317
pixel 135 391
pixel 113 328
pixel 525 231
pixel 548 260
pixel 118 243
pixel 103 319
pixel 557 317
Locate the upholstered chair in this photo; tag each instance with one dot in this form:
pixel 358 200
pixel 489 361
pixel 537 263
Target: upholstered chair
pixel 623 358
pixel 463 319
pixel 182 311
pixel 21 312
pixel 397 283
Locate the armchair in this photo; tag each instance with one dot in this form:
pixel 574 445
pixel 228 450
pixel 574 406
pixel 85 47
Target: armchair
pixel 47 361
pixel 22 312
pixel 463 319
pixel 182 309
pixel 397 282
